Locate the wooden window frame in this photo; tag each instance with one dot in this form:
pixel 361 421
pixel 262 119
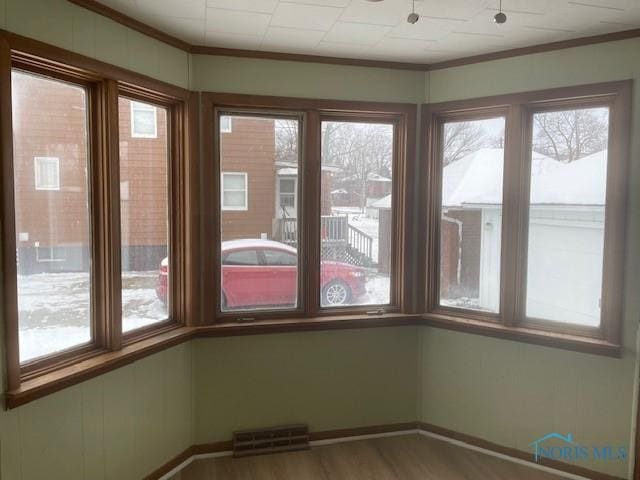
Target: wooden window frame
pixel 311 113
pixel 103 91
pixel 518 110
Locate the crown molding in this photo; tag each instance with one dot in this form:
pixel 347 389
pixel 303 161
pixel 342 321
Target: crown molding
pixel 141 27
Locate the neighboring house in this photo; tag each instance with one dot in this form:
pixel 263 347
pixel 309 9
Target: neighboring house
pixel 351 190
pixel 566 233
pixel 50 171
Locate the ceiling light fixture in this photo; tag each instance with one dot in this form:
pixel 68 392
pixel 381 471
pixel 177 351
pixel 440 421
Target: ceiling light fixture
pixel 413 16
pixel 500 17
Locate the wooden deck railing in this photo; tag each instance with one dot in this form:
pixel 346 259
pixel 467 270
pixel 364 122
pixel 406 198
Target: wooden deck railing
pixel 334 230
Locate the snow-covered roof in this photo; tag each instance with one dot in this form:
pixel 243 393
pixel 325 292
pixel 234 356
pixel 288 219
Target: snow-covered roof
pixel 255 243
pixel 294 170
pixel 374 177
pixel 339 191
pixel 384 202
pixel 477 180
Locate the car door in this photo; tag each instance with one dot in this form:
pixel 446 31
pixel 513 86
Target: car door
pixel 283 268
pixel 245 281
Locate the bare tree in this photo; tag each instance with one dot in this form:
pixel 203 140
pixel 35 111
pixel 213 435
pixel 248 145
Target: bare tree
pixel 360 151
pixel 286 132
pixel 571 134
pixel 461 139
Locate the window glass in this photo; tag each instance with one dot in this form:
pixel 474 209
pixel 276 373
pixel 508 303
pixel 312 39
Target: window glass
pixel 356 213
pixel 280 258
pixel 144 218
pixel 259 164
pixel 52 217
pixel 471 215
pixel 567 215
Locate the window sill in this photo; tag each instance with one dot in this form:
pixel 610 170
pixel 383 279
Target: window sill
pixel 39 386
pixel 544 338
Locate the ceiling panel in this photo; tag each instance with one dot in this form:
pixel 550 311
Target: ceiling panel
pixel 447 29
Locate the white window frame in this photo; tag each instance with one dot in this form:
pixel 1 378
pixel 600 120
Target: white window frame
pixel 226 125
pixel 223 189
pixel 139 106
pixel 37 166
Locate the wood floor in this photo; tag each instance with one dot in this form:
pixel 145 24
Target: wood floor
pixel 409 457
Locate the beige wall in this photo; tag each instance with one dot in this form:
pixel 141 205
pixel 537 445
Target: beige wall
pixel 127 422
pixel 512 393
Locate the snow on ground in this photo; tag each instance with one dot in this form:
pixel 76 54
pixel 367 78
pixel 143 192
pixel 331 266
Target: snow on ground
pixel 54 309
pixel 378 290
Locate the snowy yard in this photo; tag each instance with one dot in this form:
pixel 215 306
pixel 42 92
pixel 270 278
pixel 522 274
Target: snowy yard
pixel 59 302
pixel 54 308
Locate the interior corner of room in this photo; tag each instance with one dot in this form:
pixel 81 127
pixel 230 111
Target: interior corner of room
pixel 398 237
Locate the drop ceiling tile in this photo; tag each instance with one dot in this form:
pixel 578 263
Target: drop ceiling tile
pixel 400 47
pixel 453 9
pixel 260 6
pixel 332 49
pixel 239 23
pixel 310 17
pixel 356 33
pixel 232 40
pixel 171 8
pixel 282 38
pixel 188 29
pixel 388 12
pixel 426 29
pixel 321 3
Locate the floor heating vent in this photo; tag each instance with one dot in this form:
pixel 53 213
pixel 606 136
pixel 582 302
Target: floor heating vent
pixel 270 440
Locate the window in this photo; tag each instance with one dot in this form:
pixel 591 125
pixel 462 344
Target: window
pixel 252 218
pixel 241 257
pixel 144 122
pixel 356 213
pixel 471 214
pixel 234 191
pixel 287 193
pixel 328 242
pixel 54 269
pixel 90 253
pixel 47 173
pixel 49 254
pixel 527 195
pixel 567 201
pixel 225 124
pixel 144 221
pixel 279 258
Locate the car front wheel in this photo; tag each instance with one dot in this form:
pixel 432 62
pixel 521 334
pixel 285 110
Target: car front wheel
pixel 335 293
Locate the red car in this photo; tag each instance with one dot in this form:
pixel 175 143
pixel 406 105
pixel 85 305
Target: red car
pixel 263 273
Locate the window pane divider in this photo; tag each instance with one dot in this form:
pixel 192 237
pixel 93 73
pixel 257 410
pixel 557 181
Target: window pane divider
pixel 106 179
